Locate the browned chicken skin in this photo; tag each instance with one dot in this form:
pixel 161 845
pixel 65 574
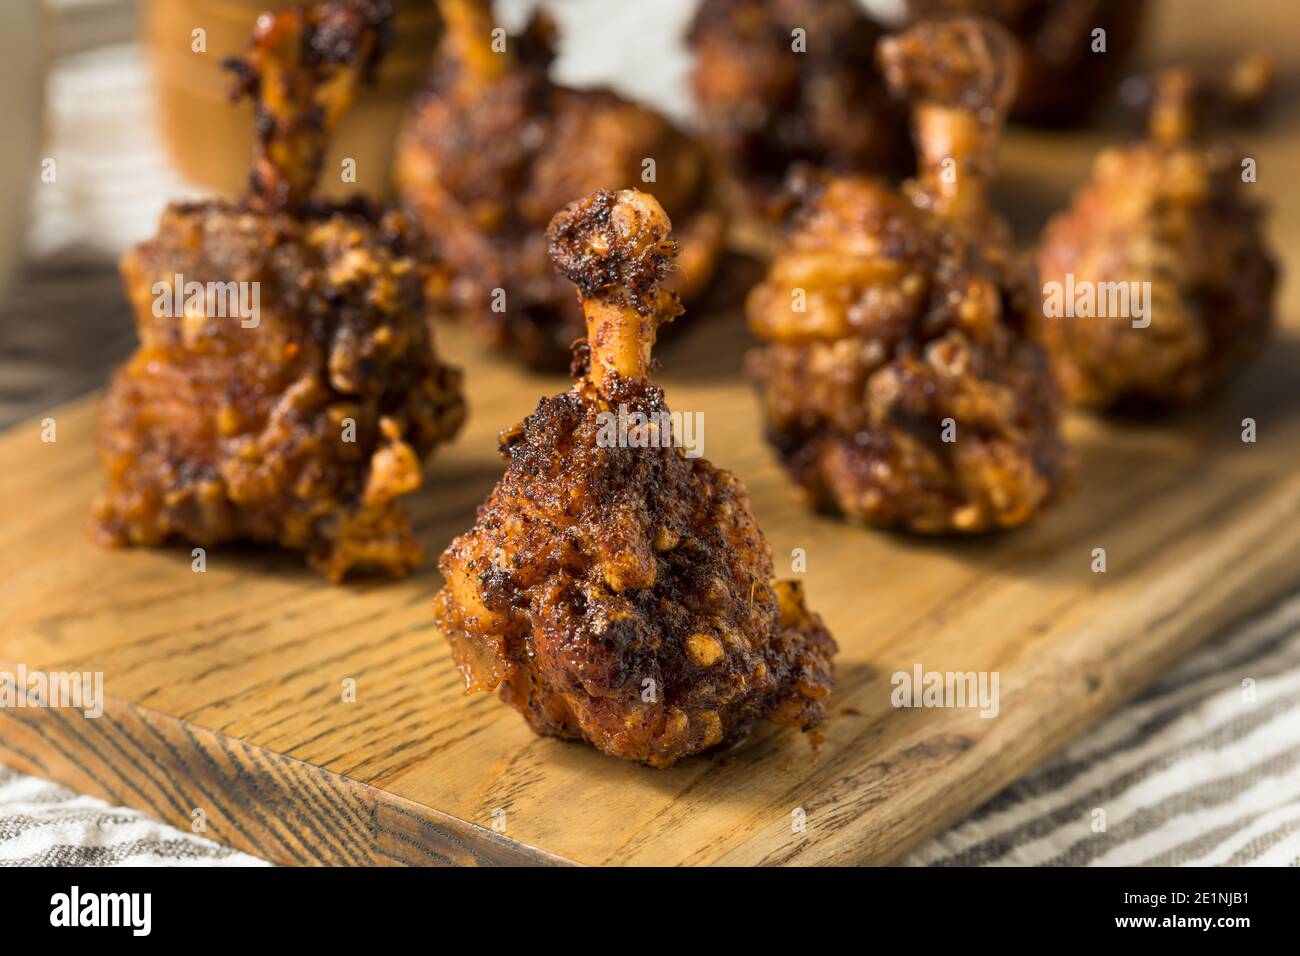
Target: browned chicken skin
pixel 300 423
pixel 897 381
pixel 1173 214
pixel 1060 75
pixel 493 148
pixel 765 105
pixel 616 593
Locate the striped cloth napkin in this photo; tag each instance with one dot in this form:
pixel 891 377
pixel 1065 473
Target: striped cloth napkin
pixel 1190 773
pixel 44 824
pixel 1202 769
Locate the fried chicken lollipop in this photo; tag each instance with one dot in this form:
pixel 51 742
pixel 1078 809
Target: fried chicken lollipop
pixel 897 382
pixel 299 417
pixel 493 148
pixel 770 97
pixel 621 592
pixel 1061 75
pixel 1175 215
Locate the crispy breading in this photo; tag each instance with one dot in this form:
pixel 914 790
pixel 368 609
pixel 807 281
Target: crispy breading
pixel 1176 215
pixel 897 380
pixel 616 593
pixel 1061 76
pixel 301 423
pixel 779 82
pixel 493 148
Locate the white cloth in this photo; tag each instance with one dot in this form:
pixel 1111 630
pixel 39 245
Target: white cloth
pixel 1202 769
pixel 44 824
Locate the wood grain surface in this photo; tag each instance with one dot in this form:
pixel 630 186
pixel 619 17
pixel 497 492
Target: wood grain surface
pixel 226 687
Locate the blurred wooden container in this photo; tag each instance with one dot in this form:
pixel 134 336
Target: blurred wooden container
pixel 210 140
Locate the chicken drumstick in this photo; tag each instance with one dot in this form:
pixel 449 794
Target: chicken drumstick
pixel 493 148
pixel 620 592
pixel 897 382
pixel 286 388
pixel 1170 248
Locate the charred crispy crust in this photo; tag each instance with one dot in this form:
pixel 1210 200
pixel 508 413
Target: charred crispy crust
pixel 964 62
pixel 358 34
pixel 215 432
pixel 494 148
pixel 765 106
pixel 908 326
pixel 300 71
pixel 305 427
pixel 897 379
pixel 645 620
pixel 617 593
pixel 1176 215
pixel 1059 77
pixel 621 259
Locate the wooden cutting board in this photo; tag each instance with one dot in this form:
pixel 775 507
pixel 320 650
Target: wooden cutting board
pixel 226 687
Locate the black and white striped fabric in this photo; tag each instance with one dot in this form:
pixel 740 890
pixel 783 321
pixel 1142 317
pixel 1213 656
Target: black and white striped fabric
pixel 1203 769
pixel 44 824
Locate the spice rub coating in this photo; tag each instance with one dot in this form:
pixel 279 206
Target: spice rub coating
pixel 1060 76
pixel 1175 214
pixel 897 380
pixel 779 82
pixel 298 422
pixel 619 593
pixel 493 148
